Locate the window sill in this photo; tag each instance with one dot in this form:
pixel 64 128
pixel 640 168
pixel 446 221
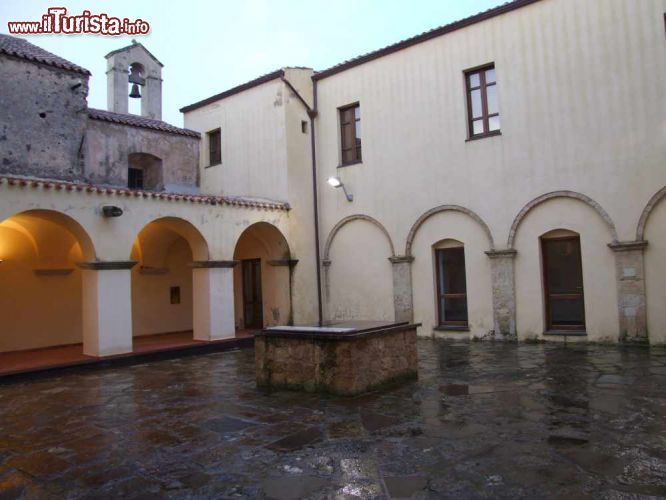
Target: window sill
pixel 451 328
pixel 214 165
pixel 342 165
pixel 483 136
pixel 565 333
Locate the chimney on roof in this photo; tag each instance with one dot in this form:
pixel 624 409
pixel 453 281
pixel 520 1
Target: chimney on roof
pixel 134 72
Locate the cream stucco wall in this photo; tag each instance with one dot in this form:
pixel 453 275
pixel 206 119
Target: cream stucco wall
pixel 582 109
pixel 358 282
pixel 599 282
pixel 460 227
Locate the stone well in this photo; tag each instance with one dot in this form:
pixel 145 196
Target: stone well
pixel 344 358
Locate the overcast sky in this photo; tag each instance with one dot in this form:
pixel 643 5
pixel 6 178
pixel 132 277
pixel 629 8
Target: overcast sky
pixel 209 46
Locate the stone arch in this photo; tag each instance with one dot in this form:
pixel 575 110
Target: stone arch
pixel 263 232
pixel 560 194
pixel 263 278
pixel 352 218
pixel 187 230
pixel 642 222
pixel 446 208
pixel 150 168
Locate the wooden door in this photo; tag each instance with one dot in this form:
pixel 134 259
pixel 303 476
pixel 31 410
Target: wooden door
pixel 252 303
pixel 563 283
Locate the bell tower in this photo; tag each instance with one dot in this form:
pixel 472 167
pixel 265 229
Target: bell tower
pixel 132 72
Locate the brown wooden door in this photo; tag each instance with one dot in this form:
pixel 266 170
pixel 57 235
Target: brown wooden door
pixel 563 283
pixel 252 303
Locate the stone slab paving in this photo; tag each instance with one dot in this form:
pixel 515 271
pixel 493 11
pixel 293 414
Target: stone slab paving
pixel 483 420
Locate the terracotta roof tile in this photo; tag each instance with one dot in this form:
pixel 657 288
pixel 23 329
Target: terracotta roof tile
pixel 139 121
pixel 235 201
pixel 18 47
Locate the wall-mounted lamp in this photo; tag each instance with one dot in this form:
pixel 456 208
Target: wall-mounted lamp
pixel 111 211
pixel 337 183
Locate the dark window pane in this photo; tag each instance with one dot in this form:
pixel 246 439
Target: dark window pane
pixel 455 310
pixel 135 178
pixel 350 134
pixel 451 285
pixel 564 266
pixel 567 312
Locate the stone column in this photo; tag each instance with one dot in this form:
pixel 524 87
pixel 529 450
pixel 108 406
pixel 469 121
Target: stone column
pixel 504 292
pixel 107 307
pixel 325 267
pixel 630 272
pixel 213 301
pixel 403 303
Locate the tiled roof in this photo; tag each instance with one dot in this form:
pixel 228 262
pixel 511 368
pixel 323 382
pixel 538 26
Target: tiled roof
pixel 235 201
pixel 240 88
pixel 18 47
pixel 428 35
pixel 139 121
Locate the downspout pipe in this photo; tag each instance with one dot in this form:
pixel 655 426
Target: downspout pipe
pixel 315 198
pixel 312 113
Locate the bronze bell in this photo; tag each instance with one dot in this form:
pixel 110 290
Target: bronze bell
pixel 135 93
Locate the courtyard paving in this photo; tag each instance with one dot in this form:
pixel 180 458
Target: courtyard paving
pixel 483 420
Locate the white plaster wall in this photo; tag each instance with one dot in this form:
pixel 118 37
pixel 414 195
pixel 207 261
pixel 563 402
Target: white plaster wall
pixel 599 280
pixel 655 273
pixel 152 311
pixel 460 227
pixel 254 156
pixel 360 280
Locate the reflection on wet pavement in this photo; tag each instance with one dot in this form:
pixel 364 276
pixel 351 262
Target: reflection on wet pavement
pixel 483 420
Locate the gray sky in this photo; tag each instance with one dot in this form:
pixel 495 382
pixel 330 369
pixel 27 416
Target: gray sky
pixel 209 46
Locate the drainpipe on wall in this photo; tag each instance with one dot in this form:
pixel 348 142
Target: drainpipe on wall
pixel 313 115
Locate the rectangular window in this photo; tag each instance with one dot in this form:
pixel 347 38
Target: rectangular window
pixel 304 126
pixel 563 283
pixel 451 287
pixel 214 147
pixel 134 178
pixel 482 109
pixel 174 295
pixel 350 134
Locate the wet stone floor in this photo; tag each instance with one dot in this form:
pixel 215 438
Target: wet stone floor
pixel 483 420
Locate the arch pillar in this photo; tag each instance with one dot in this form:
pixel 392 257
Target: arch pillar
pixel 630 272
pixel 213 301
pixel 403 301
pixel 504 291
pixel 107 307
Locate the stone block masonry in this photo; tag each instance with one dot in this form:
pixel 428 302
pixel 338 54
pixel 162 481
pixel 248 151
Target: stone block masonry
pixel 345 364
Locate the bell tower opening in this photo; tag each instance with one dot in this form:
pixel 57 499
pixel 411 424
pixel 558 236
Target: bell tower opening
pixel 134 81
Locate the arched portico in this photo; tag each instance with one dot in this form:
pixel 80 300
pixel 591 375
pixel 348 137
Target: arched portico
pixel 41 297
pixel 262 278
pixel 164 298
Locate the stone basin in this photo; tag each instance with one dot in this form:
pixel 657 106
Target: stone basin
pixel 341 357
